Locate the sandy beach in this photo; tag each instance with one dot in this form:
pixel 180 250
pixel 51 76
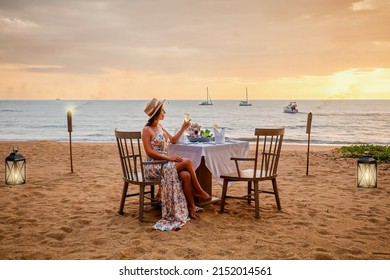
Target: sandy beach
pixel 62 215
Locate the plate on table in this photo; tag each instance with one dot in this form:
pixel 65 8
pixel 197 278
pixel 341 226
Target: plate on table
pixel 199 139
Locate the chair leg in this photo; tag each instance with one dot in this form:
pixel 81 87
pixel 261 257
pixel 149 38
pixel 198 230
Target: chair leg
pixel 152 192
pixel 141 203
pixel 224 192
pixel 275 186
pixel 249 192
pixel 124 193
pixel 257 202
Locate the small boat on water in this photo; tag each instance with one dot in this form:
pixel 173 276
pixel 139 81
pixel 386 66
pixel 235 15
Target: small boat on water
pixel 208 100
pixel 291 108
pixel 245 102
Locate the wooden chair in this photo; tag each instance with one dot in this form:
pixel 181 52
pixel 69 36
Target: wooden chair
pixel 130 154
pixel 265 166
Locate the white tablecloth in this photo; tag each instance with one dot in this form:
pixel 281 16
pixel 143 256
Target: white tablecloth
pixel 217 156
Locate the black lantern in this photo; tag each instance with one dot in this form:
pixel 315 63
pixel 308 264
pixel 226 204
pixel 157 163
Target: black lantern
pixel 15 168
pixel 366 172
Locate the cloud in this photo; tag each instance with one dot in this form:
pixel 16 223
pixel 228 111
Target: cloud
pixel 202 40
pixel 383 44
pixel 15 24
pixel 366 5
pixel 29 67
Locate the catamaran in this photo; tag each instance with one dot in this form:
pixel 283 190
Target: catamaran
pixel 208 100
pixel 245 102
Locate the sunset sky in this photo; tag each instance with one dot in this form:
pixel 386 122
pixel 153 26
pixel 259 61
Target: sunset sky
pixel 174 49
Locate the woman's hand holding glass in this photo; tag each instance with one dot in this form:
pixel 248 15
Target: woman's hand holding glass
pixel 185 125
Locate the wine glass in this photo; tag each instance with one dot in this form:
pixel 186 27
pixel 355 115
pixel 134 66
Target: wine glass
pixel 187 117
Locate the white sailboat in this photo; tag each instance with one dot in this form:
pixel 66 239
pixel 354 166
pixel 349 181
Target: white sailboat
pixel 208 100
pixel 245 102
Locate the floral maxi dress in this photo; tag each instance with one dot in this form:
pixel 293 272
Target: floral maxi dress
pixel 173 202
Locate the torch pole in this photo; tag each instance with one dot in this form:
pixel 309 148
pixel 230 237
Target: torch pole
pixel 69 115
pixel 308 131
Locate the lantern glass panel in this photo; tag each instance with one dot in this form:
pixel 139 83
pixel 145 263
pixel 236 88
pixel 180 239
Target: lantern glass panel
pixel 15 172
pixel 366 175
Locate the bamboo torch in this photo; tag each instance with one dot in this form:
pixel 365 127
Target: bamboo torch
pixel 308 131
pixel 69 115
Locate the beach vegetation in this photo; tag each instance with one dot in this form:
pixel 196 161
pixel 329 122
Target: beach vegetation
pixel 380 153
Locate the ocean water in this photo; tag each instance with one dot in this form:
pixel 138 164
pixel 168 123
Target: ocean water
pixel 341 122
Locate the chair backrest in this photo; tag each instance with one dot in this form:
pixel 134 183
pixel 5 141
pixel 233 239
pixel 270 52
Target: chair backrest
pixel 129 147
pixel 268 146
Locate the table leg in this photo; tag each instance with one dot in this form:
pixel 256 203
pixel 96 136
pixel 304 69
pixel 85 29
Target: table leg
pixel 205 180
pixel 204 177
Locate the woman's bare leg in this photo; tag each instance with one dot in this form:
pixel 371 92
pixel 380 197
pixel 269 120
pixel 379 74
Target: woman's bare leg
pixel 186 164
pixel 185 177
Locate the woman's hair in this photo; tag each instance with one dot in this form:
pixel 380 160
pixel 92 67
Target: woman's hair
pixel 155 116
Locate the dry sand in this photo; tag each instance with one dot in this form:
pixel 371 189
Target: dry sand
pixel 63 215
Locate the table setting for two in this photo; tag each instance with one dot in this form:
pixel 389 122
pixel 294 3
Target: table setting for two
pixel 210 152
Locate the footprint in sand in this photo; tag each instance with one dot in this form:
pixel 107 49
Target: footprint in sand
pixel 67 229
pixel 57 235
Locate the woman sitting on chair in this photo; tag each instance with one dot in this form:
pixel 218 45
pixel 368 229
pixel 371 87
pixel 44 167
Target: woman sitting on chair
pixel 178 174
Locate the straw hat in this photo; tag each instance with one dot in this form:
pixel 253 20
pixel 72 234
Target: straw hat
pixel 153 106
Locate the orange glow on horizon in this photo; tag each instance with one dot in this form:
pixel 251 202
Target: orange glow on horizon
pixel 123 85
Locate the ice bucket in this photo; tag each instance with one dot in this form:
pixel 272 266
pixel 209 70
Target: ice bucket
pixel 219 136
